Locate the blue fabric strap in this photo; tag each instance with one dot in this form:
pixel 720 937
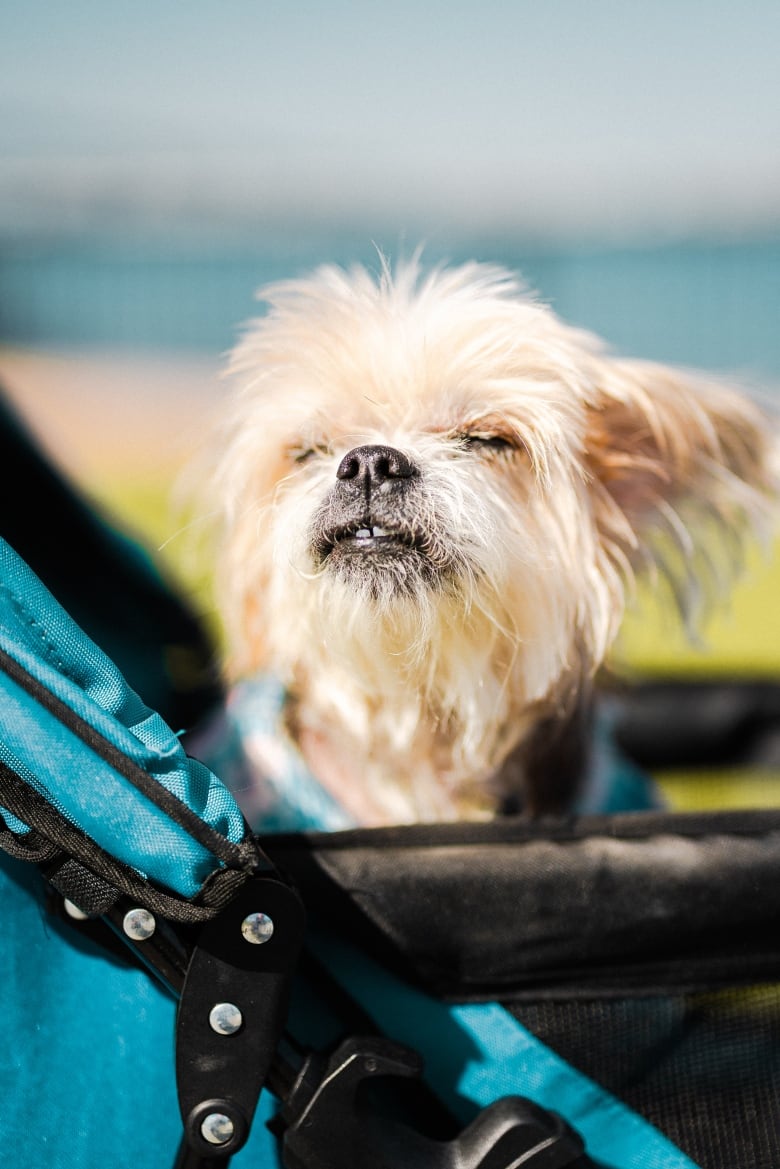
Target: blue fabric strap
pixel 38 635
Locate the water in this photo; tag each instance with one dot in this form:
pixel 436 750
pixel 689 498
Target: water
pixel 715 305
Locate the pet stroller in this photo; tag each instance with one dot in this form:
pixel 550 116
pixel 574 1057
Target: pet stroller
pixel 594 991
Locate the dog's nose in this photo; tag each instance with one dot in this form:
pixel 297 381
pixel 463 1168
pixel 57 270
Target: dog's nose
pixel 375 464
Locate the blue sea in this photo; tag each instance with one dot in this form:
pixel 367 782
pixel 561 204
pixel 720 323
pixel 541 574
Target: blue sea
pixel 713 304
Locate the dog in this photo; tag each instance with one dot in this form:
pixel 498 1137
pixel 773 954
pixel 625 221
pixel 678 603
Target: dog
pixel 435 498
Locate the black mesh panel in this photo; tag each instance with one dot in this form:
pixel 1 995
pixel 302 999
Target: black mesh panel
pixel 704 1068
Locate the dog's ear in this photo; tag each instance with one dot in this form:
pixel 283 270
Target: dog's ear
pixel 671 452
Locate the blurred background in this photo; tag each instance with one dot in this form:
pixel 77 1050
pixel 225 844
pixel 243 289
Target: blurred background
pixel 159 163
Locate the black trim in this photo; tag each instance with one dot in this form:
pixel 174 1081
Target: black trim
pixel 30 847
pixel 245 855
pixel 694 723
pixel 71 843
pixel 606 906
pixel 523 829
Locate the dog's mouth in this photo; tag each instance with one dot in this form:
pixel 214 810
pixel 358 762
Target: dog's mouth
pixel 386 559
pixel 367 538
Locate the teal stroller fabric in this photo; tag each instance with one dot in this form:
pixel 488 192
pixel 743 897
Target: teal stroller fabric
pixel 37 636
pixel 86 1065
pixel 88 1029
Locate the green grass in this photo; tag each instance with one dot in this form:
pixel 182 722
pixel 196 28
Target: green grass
pixel 724 789
pixel 144 509
pixel 743 638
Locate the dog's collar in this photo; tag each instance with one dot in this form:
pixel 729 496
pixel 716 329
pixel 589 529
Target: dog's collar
pixel 248 747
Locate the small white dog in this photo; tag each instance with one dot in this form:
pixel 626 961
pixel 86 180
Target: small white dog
pixel 436 495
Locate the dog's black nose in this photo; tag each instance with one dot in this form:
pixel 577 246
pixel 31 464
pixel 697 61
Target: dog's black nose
pixel 375 464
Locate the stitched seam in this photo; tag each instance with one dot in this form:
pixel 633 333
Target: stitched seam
pixel 50 649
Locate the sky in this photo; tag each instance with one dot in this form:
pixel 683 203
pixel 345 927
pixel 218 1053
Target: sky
pixel 553 117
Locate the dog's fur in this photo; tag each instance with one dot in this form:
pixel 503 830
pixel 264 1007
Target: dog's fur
pixel 436 495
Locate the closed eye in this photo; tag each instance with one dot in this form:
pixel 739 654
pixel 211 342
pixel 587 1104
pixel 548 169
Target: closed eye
pixel 488 444
pixel 304 454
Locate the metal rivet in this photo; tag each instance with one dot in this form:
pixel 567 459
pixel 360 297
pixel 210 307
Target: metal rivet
pixel 257 928
pixel 217 1128
pixel 225 1018
pixel 73 911
pixel 139 924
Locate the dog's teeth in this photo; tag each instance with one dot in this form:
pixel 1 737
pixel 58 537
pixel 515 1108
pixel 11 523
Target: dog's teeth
pixel 368 533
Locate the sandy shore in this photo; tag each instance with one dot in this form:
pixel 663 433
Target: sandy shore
pixel 113 415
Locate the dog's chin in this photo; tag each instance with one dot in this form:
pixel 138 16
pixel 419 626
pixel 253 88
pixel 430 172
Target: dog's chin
pixel 382 561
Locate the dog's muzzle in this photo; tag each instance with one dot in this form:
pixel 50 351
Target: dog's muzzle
pixel 366 523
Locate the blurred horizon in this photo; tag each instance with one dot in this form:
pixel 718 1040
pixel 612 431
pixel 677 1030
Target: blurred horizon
pixel 552 124
pixel 159 164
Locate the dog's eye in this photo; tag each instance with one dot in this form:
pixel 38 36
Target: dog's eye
pixel 487 443
pixel 304 454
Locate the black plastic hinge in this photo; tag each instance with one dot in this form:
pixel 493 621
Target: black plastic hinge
pixel 330 1120
pixel 232 1012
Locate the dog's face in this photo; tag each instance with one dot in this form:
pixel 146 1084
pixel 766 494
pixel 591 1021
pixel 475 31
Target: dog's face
pixel 436 493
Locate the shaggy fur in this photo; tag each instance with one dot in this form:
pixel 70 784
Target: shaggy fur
pixel 430 607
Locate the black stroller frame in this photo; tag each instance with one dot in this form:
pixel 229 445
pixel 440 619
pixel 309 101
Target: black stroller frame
pixel 245 958
pixel 561 921
pixel 232 977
